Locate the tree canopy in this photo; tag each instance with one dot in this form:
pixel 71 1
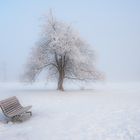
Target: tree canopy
pixel 63 53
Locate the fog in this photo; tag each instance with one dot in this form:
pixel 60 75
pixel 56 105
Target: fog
pixel 111 27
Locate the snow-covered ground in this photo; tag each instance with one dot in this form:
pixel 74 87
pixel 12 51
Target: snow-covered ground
pixel 108 112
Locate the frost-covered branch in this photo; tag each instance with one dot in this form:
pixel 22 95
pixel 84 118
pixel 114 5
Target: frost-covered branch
pixel 62 51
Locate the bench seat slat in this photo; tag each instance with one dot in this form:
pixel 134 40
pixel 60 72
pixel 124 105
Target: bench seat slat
pixel 10 107
pixel 13 109
pixel 8 103
pixel 20 111
pixel 9 100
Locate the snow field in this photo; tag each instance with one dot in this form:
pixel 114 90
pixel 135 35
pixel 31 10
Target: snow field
pixel 109 112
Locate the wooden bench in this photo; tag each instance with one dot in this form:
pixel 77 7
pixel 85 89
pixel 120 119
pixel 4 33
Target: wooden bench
pixel 12 109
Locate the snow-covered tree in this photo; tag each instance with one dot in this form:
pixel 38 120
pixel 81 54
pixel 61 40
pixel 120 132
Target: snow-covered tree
pixel 63 53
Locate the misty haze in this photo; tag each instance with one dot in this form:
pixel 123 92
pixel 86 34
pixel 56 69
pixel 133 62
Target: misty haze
pixel 76 63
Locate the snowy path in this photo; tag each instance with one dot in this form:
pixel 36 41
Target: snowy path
pixel 111 112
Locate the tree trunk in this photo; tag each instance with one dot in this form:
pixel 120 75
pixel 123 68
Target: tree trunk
pixel 60 61
pixel 60 83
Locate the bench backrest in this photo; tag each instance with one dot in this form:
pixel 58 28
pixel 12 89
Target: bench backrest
pixel 9 105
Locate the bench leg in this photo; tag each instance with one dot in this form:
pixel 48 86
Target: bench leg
pixel 29 113
pixel 16 118
pixel 19 117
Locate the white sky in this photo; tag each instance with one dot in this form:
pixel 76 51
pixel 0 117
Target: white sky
pixel 112 27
